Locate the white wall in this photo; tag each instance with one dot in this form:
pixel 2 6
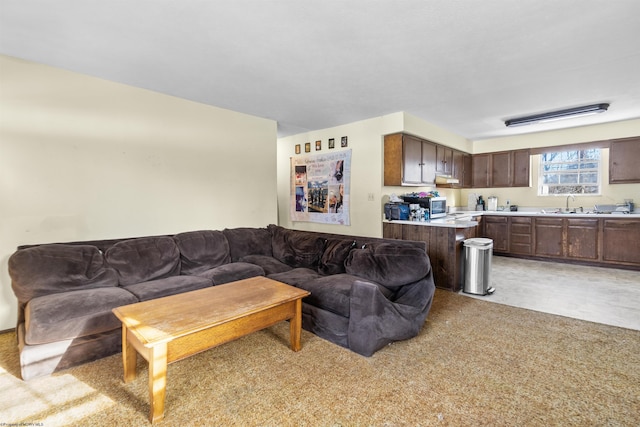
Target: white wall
pixel 610 194
pixel 433 133
pixel 366 142
pixel 82 158
pixel 574 135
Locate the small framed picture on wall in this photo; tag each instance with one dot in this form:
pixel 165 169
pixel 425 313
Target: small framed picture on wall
pixel 307 147
pixel 297 148
pixel 318 145
pixel 332 143
pixel 343 141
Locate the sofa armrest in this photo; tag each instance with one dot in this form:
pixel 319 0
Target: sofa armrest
pixel 375 321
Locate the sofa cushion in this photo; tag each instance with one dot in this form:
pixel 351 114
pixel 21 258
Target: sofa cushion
pixel 269 264
pixel 248 241
pixel 390 265
pixel 232 272
pixel 333 293
pixel 202 250
pixel 47 269
pixel 73 314
pixel 334 255
pixel 298 249
pixel 168 286
pixel 144 259
pixel 296 276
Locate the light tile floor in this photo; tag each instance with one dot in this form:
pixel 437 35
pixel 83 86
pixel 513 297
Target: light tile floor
pixel 601 295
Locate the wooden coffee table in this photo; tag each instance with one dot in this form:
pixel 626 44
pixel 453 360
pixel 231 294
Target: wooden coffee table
pixel 172 328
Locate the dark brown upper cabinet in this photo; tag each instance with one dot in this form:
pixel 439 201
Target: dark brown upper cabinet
pixel 624 159
pixel 501 169
pixel 481 170
pixel 409 160
pixel 444 160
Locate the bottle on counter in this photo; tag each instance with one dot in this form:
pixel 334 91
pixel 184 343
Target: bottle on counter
pixel 480 206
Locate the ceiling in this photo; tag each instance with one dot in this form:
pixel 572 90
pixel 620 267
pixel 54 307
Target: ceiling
pixel 464 65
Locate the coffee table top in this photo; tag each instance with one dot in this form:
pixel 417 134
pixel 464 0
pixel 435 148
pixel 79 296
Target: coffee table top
pixel 164 319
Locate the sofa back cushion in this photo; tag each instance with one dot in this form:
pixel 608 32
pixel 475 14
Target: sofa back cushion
pixel 143 259
pixel 202 250
pixel 48 269
pixel 334 255
pixel 296 248
pixel 390 265
pixel 245 241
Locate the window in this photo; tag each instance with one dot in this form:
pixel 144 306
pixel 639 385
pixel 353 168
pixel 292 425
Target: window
pixel 570 172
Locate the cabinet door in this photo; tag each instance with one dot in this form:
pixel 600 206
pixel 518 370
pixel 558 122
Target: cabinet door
pixel 623 161
pixel 497 229
pixel 582 238
pixel 444 160
pixel 411 160
pixel 466 180
pixel 520 235
pixel 501 169
pixel 393 159
pixel 548 237
pixel 480 170
pixel 429 153
pixel 521 168
pixel 620 240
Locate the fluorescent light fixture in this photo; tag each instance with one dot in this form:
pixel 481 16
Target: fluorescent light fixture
pixel 569 113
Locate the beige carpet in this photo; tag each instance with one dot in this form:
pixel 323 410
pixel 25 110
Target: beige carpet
pixel 475 363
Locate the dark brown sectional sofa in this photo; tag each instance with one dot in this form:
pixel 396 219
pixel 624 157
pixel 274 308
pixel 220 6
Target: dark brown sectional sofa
pixel 365 292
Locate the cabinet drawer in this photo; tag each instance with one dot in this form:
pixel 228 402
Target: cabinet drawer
pixel 496 219
pixel 553 222
pixel 583 222
pixel 520 228
pixel 520 239
pixel 521 220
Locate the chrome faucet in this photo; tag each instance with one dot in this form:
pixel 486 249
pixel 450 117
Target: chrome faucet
pixel 572 198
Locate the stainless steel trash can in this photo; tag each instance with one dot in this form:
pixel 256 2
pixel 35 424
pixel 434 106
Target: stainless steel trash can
pixel 477 266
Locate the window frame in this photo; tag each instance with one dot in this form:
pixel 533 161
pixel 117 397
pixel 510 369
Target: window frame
pixel 568 168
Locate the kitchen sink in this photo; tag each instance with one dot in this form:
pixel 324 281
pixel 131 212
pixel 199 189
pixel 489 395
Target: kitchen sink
pixel 564 212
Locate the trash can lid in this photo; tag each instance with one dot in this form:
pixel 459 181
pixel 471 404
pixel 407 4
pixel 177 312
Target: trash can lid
pixel 478 241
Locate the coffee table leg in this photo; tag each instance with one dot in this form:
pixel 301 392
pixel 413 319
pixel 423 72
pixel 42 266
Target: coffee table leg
pixel 157 381
pixel 295 326
pixel 128 357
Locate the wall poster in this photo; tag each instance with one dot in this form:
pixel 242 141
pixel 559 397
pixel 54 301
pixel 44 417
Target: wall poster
pixel 320 187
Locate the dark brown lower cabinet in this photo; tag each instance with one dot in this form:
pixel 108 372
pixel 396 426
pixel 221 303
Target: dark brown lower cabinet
pixel 444 247
pixel 520 235
pixel 621 239
pixel 581 240
pixel 569 238
pixel 595 241
pixel 548 237
pixel 587 240
pixel 496 228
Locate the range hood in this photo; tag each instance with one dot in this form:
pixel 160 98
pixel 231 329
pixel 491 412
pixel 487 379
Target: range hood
pixel 446 179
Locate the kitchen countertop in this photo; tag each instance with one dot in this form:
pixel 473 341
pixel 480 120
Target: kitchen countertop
pixel 463 219
pixel 448 222
pixel 550 213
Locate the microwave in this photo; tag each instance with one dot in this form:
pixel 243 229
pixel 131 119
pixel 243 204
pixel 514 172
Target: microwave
pixel 437 207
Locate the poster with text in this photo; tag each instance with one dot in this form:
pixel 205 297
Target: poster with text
pixel 320 187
